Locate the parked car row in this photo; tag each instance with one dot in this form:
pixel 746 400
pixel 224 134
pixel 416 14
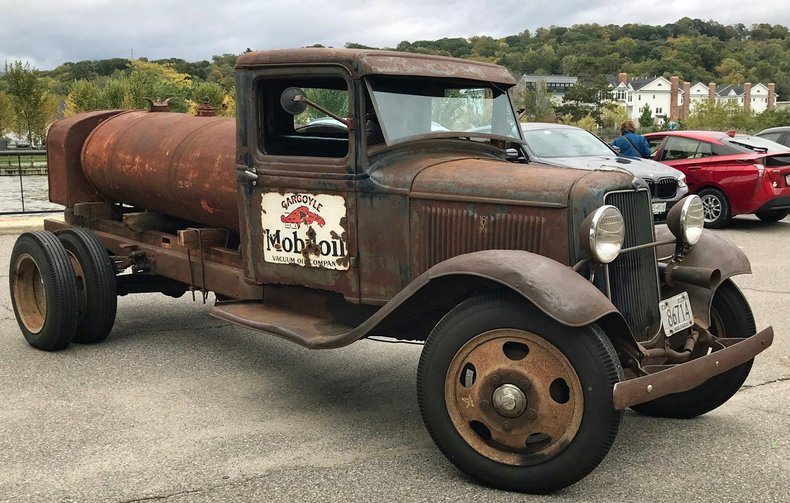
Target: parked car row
pixel 570 146
pixel 734 174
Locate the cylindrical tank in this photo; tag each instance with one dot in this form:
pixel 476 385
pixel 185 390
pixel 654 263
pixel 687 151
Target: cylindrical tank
pixel 173 163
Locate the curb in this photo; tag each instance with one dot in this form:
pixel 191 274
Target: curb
pixel 18 225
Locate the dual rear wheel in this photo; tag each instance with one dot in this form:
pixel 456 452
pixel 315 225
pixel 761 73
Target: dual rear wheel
pixel 62 288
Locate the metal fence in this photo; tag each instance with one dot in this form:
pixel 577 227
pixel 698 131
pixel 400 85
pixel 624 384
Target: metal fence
pixel 21 171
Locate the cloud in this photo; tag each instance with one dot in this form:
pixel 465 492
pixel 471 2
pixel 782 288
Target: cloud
pixel 50 32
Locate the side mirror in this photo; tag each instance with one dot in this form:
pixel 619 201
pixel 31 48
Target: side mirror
pixel 615 148
pixel 292 100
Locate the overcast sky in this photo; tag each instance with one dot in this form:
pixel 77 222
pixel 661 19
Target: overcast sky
pixel 47 33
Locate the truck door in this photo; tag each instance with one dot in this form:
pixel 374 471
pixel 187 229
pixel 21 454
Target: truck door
pixel 298 181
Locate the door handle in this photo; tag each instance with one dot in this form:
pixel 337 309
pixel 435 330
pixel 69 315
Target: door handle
pixel 694 167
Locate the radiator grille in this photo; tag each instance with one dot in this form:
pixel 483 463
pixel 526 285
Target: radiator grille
pixel 633 276
pixel 664 188
pixel 446 232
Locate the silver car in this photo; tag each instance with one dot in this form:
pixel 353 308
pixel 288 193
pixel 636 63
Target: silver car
pixel 562 145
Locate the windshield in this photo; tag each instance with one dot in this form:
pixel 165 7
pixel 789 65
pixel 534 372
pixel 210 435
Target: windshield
pixel 409 107
pixel 755 144
pixel 565 143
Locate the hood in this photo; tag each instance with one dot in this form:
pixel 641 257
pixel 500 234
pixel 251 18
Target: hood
pixel 643 168
pixel 509 183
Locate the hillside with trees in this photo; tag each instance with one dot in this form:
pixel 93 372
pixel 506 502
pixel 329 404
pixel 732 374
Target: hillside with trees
pixel 692 49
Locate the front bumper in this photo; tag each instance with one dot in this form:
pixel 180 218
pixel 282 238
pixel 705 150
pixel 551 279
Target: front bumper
pixel 685 376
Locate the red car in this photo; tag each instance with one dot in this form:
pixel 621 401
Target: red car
pixel 734 174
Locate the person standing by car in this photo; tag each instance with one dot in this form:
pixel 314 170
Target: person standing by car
pixel 630 143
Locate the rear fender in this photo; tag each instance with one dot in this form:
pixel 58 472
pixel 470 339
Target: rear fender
pixel 712 251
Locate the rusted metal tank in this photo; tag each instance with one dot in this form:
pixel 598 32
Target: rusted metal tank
pixel 173 163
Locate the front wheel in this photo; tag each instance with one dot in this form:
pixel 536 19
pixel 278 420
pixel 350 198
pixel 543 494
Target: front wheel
pixel 771 216
pixel 516 400
pixel 730 317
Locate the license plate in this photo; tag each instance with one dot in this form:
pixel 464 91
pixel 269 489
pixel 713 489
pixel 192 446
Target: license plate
pixel 676 313
pixel 659 208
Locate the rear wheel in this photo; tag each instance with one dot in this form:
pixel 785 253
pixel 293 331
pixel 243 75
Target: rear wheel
pixel 515 399
pixel 96 288
pixel 716 208
pixel 731 317
pixel 771 216
pixel 43 290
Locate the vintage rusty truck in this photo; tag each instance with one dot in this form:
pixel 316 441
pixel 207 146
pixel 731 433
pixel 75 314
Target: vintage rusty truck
pixel 370 193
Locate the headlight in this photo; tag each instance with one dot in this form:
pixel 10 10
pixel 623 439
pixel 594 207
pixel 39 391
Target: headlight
pixel 602 233
pixel 682 180
pixel 686 220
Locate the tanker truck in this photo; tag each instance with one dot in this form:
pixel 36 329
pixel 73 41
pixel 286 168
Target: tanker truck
pixel 364 193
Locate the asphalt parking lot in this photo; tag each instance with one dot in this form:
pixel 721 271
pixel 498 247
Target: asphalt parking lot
pixel 176 406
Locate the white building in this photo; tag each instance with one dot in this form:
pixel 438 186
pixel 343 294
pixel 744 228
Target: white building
pixel 634 94
pixel 667 101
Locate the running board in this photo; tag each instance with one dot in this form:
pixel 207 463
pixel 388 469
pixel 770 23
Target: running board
pixel 306 330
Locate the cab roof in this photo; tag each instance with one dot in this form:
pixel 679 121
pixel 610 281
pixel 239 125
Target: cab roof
pixel 361 62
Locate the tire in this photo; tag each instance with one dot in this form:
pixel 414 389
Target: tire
pixel 731 316
pixel 96 287
pixel 716 208
pixel 772 216
pixel 565 376
pixel 43 290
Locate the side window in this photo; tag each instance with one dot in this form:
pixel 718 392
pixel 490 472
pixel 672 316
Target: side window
pixel 311 133
pixel 681 148
pixel 654 142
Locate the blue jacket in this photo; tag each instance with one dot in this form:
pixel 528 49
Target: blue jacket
pixel 636 140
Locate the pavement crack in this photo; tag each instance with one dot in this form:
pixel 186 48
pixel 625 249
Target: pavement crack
pixel 764 290
pixel 157 497
pixel 750 386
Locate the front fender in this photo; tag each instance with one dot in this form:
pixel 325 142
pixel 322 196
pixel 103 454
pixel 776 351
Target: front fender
pixel 555 289
pixel 712 251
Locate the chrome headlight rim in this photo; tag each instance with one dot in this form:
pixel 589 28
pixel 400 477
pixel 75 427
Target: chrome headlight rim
pixel 590 233
pixel 686 221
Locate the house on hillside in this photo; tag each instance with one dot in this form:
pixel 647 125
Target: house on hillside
pixel 634 94
pixel 757 98
pixel 668 101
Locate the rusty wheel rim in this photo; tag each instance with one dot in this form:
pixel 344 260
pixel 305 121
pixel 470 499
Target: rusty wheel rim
pixel 513 397
pixel 30 296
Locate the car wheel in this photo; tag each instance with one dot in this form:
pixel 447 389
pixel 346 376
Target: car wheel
pixel 716 208
pixel 96 288
pixel 731 317
pixel 771 216
pixel 516 400
pixel 43 290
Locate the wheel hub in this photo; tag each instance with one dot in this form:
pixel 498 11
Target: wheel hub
pixel 509 400
pixel 711 207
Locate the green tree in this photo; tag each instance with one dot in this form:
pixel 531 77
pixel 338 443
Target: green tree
pixel 537 104
pixel 30 100
pixel 720 117
pixel 646 117
pixel 6 114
